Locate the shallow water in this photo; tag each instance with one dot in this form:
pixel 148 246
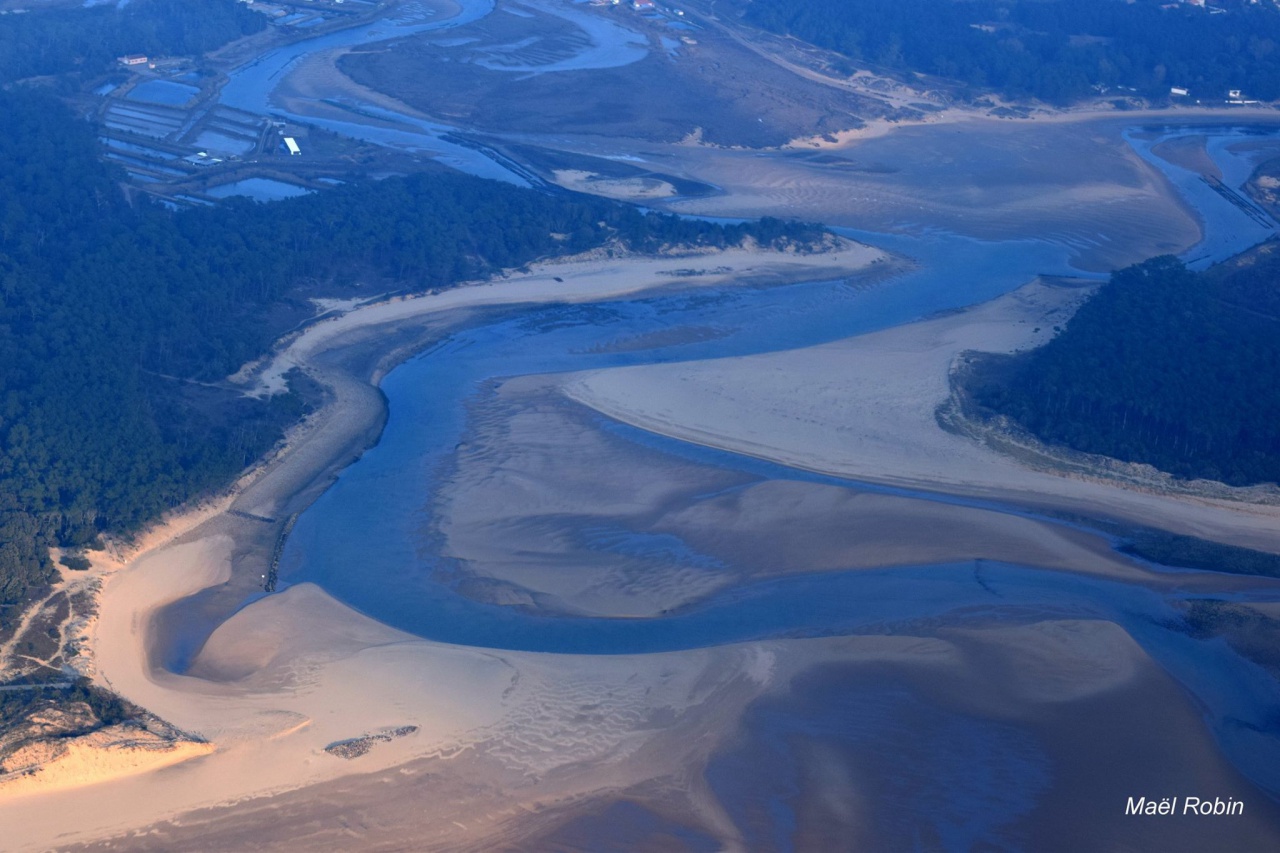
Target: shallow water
pixel 371 518
pixel 955 782
pixel 369 540
pixel 121 145
pixel 220 143
pixel 259 189
pixel 1228 228
pixel 612 46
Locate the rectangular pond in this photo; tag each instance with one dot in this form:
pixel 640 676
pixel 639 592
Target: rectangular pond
pixel 259 189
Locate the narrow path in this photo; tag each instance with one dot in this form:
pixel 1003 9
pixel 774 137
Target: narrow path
pixel 7 651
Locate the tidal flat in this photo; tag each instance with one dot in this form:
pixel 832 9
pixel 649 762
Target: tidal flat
pixel 629 562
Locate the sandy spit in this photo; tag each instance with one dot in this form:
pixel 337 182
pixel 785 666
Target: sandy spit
pixel 589 277
pixel 866 408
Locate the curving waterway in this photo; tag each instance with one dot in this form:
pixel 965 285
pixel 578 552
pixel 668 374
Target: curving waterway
pixel 361 540
pixel 368 540
pixel 371 541
pixel 253 86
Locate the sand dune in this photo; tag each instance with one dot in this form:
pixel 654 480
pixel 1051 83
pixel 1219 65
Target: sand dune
pixel 106 755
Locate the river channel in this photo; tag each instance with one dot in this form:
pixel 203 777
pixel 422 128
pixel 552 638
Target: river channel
pixel 369 540
pixel 374 542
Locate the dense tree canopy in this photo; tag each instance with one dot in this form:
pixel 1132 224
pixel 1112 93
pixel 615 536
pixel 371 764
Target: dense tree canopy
pixel 57 41
pixel 1055 50
pixel 1165 366
pixel 115 320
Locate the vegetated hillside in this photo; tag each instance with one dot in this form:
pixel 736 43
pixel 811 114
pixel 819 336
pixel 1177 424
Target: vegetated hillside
pixel 1054 50
pixel 56 41
pixel 1164 366
pixel 112 317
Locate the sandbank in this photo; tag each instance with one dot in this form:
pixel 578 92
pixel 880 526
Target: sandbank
pixel 974 176
pixel 626 189
pixel 525 512
pixel 866 408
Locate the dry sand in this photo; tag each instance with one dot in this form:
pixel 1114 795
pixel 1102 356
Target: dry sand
pixel 866 408
pixel 296 672
pixel 501 740
pixel 114 752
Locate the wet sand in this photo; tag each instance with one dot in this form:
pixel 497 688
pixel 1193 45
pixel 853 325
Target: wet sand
pixel 294 673
pixel 1015 731
pixel 525 746
pixel 1067 176
pixel 1189 153
pixel 1028 735
pixel 1024 737
pixel 532 523
pixel 980 177
pixel 1064 175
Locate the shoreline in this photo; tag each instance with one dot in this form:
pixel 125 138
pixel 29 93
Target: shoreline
pixel 1165 117
pixel 217 553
